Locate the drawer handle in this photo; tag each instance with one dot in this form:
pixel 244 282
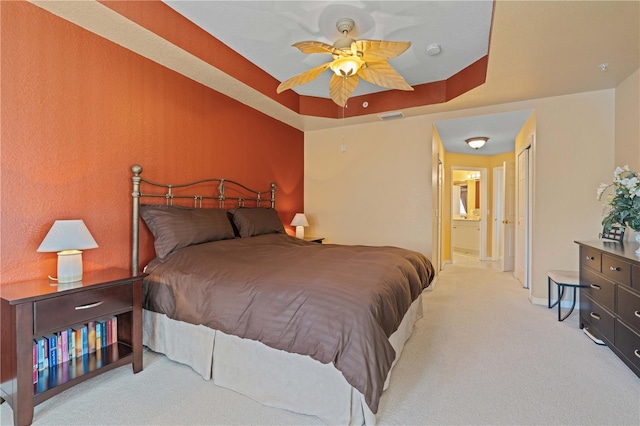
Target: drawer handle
pixel 637 313
pixel 637 353
pixel 590 258
pixel 89 306
pixel 614 268
pixel 595 286
pixel 594 315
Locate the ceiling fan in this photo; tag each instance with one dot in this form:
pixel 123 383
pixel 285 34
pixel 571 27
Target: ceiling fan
pixel 352 60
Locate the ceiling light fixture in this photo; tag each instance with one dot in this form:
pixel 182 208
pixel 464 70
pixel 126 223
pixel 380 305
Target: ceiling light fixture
pixel 346 66
pixel 477 142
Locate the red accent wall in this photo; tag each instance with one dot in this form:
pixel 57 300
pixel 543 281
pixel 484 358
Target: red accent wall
pixel 77 111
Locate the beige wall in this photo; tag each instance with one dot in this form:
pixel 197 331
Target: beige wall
pixel 380 191
pixel 573 153
pixel 628 122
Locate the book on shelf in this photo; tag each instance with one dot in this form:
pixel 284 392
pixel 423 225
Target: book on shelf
pixel 52 343
pixel 98 342
pixel 64 343
pixel 91 333
pixel 58 348
pixel 114 330
pixel 109 328
pixel 42 353
pixel 72 343
pixel 105 340
pixel 85 340
pixel 35 361
pixel 77 337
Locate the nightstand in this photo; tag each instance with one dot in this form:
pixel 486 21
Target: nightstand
pixel 32 309
pixel 314 239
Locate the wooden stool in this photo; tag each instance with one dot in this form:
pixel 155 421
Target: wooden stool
pixel 563 279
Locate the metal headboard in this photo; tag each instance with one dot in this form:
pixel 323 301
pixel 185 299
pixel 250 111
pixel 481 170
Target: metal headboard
pixel 217 193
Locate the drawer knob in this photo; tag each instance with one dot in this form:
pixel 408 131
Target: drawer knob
pixel 614 268
pixel 590 258
pixel 637 313
pixel 595 286
pixel 637 353
pixel 594 315
pixel 89 306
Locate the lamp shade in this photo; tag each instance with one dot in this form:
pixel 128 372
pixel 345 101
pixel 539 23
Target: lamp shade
pixel 68 235
pixel 299 220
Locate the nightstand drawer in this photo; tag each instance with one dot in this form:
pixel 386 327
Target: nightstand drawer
pixel 76 308
pixel 616 269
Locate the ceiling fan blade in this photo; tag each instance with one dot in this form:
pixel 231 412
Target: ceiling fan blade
pixel 303 78
pixel 381 50
pixel 316 47
pixel 340 88
pixel 382 74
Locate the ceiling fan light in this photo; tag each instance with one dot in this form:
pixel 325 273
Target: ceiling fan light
pixel 346 66
pixel 477 142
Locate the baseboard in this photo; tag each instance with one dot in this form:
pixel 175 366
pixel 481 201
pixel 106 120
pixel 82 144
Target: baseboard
pixel 545 302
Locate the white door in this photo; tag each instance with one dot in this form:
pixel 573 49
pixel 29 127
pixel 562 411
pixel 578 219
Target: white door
pixel 524 213
pixel 439 215
pixel 508 215
pixel 496 224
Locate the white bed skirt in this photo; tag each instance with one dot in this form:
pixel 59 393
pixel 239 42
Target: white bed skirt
pixel 270 376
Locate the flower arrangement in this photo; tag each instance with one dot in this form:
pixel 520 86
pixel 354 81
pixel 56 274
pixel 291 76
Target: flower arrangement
pixel 623 206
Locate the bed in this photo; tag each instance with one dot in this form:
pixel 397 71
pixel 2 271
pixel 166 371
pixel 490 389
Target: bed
pixel 311 328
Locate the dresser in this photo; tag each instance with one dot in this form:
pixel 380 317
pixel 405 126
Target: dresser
pixel 610 297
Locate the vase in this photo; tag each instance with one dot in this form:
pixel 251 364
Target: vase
pixel 638 241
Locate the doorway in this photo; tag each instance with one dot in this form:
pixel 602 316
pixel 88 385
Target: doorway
pixel 468 212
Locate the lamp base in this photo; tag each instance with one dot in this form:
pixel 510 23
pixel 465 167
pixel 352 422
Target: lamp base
pixel 69 266
pixel 299 231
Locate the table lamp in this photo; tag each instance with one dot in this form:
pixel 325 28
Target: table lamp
pixel 68 238
pixel 299 221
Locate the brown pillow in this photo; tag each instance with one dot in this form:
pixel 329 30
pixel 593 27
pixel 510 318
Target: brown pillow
pixel 174 227
pixel 257 221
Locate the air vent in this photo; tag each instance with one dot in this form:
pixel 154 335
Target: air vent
pixel 391 115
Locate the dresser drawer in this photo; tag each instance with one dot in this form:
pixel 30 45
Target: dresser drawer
pixel 72 309
pixel 628 342
pixel 628 307
pixel 598 288
pixel 635 277
pixel 616 269
pixel 590 257
pixel 601 321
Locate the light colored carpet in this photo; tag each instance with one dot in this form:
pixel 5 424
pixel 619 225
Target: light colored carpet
pixel 482 355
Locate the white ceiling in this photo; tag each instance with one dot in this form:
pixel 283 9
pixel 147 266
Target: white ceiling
pixel 537 49
pixel 501 129
pixel 263 31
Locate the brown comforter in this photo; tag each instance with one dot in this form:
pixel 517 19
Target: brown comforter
pixel 338 304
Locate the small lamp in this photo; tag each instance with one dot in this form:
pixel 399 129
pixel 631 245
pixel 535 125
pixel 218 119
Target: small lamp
pixel 299 221
pixel 68 238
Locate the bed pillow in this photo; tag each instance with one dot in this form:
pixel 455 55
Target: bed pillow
pixel 257 221
pixel 174 227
